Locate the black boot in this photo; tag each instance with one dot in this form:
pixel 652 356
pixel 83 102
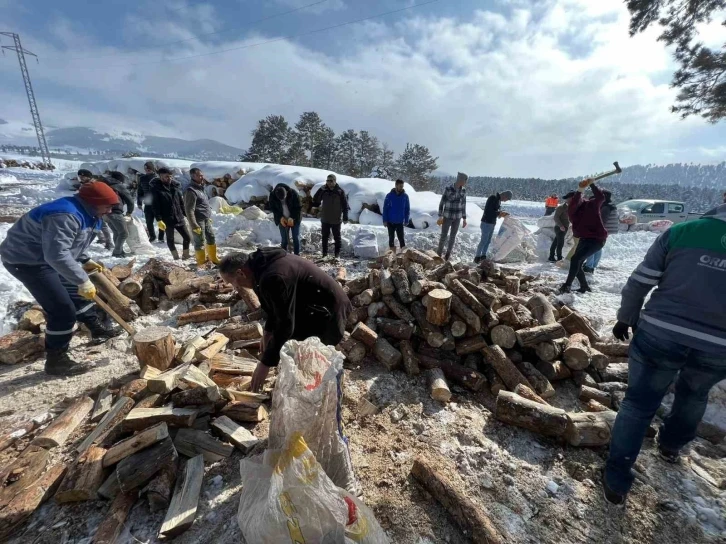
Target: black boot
pixel 101 332
pixel 59 363
pixel 565 289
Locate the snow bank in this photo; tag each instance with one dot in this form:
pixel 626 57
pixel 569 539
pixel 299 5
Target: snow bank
pixel 217 169
pixel 6 179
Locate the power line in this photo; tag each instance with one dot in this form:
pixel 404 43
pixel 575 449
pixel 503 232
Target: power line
pixel 272 40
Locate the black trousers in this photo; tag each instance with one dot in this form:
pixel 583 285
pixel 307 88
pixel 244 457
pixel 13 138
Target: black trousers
pixel 557 243
pixel 149 215
pixel 326 228
pixel 397 229
pixel 181 228
pixel 59 299
pixel 585 248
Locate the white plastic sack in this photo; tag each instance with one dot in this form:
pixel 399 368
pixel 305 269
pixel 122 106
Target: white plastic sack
pixel 365 244
pixel 368 217
pixel 628 218
pixel 660 225
pixel 138 240
pixel 253 213
pixel 511 234
pixel 217 202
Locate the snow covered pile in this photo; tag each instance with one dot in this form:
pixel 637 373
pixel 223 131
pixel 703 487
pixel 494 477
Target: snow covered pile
pixel 217 169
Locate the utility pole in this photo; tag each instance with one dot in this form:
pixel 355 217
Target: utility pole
pixel 45 154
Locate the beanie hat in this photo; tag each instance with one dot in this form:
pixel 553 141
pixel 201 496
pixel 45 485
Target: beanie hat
pixel 507 195
pixel 98 193
pixel 568 195
pixel 281 193
pixel 85 173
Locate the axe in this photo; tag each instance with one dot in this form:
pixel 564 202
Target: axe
pixel 617 170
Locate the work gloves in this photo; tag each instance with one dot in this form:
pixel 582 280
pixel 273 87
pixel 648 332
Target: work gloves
pixel 287 223
pixel 87 290
pixel 198 231
pixel 620 330
pixel 93 266
pixel 440 221
pixel 161 225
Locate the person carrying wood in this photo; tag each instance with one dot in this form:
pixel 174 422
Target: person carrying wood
pixel 169 210
pixel 679 335
pixel 334 211
pixel 562 224
pixel 299 298
pixel 199 215
pixel 452 209
pixel 144 197
pixel 396 215
pixel 46 251
pixel 492 212
pixel 287 214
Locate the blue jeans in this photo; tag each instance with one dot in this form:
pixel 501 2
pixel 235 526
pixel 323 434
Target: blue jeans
pixel 487 231
pixel 295 237
pixel 654 364
pixel 593 260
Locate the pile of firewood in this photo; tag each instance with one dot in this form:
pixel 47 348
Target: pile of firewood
pixel 486 326
pixel 13 163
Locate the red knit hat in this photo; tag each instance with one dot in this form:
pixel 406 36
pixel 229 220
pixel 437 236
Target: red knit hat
pixel 97 193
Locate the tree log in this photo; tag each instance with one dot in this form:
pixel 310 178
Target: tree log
pixel 250 299
pixel 415 272
pixel 416 256
pixel 197 396
pixel 455 372
pixel 141 418
pixel 181 290
pixel 403 288
pixel 470 345
pixel 495 382
pixel 374 280
pixel 458 328
pixel 58 432
pixel 217 343
pixel 590 393
pixel 215 314
pixel 357 286
pixel 398 309
pixel 508 316
pixel 431 333
pixel 439 305
pixel 542 309
pixel 538 418
pixel 32 321
pixel 590 428
pixel 22 473
pixel 577 352
pixel 554 371
pixel 467 314
pixel 84 477
pixel 110 427
pixel 615 372
pixel 465 295
pixel 514 356
pixel 438 387
pixel 483 295
pixel 131 287
pixel 504 336
pixel 119 303
pixel 581 377
pixel 575 323
pixel 410 360
pixel 354 350
pixel 243 439
pixel 241 331
pixel 387 287
pixel 366 298
pixel 535 335
pixel 509 373
pixel 594 406
pixel 395 329
pixel 421 287
pixel 141 440
pixel 511 285
pixel 612 349
pixel 365 334
pixel 386 353
pixel 190 442
pixel 525 317
pixel 137 469
pixel 540 383
pixel 440 272
pixel 550 350
pixel 148 301
pixel 162 269
pixel 103 404
pixel 161 487
pixel 112 526
pixel 154 347
pixel 526 393
pixel 378 309
pixel 183 506
pixel 19 346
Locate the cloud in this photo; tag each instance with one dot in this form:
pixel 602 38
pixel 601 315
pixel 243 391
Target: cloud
pixel 551 88
pixel 320 6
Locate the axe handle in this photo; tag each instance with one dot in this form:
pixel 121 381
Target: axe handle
pixel 605 175
pixel 106 308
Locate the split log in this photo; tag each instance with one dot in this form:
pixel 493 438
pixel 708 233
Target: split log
pixel 357 285
pixel 526 393
pixel 575 323
pixel 535 335
pixel 141 440
pixel 243 439
pixel 19 346
pixel 102 405
pixel 554 371
pixel 458 328
pixel 230 364
pixel 110 427
pixel 403 288
pixel 354 350
pixel 577 352
pixel 612 349
pixel 22 473
pixel 58 432
pixel 540 383
pixel 190 443
pixel 431 333
pixel 154 347
pixel 454 372
pixel 183 506
pixel 594 406
pixel 119 303
pixel 166 381
pixel 536 417
pixel 495 382
pixel 197 396
pixel 590 428
pixel 504 336
pixel 437 480
pixel 509 373
pixel 142 418
pixel 421 287
pixel 467 314
pixel 395 329
pixel 32 321
pixel 590 393
pixel 9 438
pixel 542 309
pixel 161 487
pixel 245 412
pixel 410 361
pixel 241 331
pixel 438 387
pixel 215 314
pixel 511 285
pixel 340 275
pixel 365 334
pixel 188 351
pixel 440 272
pixel 387 286
pixel 196 377
pixel 482 294
pixel 84 477
pixel 470 345
pixel 113 524
pixel 374 280
pixel 416 256
pixel 217 344
pixel 229 381
pixel 551 349
pixel 439 306
pixel 137 469
pixel 415 272
pixel 466 296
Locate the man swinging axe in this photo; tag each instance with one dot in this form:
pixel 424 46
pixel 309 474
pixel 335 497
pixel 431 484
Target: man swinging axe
pixel 45 250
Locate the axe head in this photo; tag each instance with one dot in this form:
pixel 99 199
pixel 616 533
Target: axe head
pixel 617 167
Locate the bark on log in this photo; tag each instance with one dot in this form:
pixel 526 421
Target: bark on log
pixel 341 275
pixel 374 280
pixel 577 352
pixel 378 309
pixel 422 287
pixel 19 346
pixel 197 396
pixel 554 371
pixel 403 288
pixel 183 506
pixel 575 323
pixel 119 303
pixel 458 328
pixel 9 438
pixel 190 442
pixel 525 392
pixel 365 334
pixel 611 387
pixel 131 287
pixel 354 350
pixel 243 439
pixel 142 418
pixel 245 412
pixel 357 315
pixel 161 487
pixel 148 302
pixel 83 478
pixel 386 353
pixel 508 316
pixel 154 347
pixel 395 329
pixel 181 290
pixel 436 479
pixel 410 361
pixel 112 526
pixel 110 427
pixel 482 294
pixel 509 373
pixel 550 350
pixel 590 393
pixel 134 471
pixel 470 345
pixel 511 285
pixel 590 428
pixel 415 272
pixel 525 317
pixel 58 432
pixel 416 256
pixel 431 333
pixel 535 335
pixel 22 473
pixel 439 305
pixel 594 406
pixel 504 336
pixel 241 331
pixel 540 383
pixel 495 382
pixel 357 286
pixel 366 297
pixel 398 309
pixel 467 314
pixel 438 387
pixel 466 296
pixel 162 269
pixel 454 372
pixel 542 309
pixel 583 378
pixel 103 404
pixel 538 418
pixel 134 444
pixel 250 299
pixel 615 372
pixel 387 287
pixel 612 349
pixel 515 356
pixel 32 321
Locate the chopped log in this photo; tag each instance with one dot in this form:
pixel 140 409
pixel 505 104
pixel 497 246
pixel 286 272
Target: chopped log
pixel 611 387
pixel 32 321
pixel 583 378
pixel 515 356
pixel 110 277
pixel 575 323
pixel 509 373
pixel 416 256
pixel 215 314
pixel 410 361
pixel 458 328
pixel 123 271
pixel 403 288
pixel 357 285
pixel 141 440
pixel 83 478
pixel 250 299
pixel 615 372
pixel 58 432
pixel 415 272
pixel 22 473
pixel 110 426
pixel 470 345
pixel 387 286
pixel 495 382
pixel 19 346
pixel 525 392
pixel 131 286
pixel 437 480
pixel 482 294
pixel 142 418
pixel 148 301
pixel 374 280
pixel 535 335
pixel 112 525
pixel 503 336
pixel 439 307
pixel 110 489
pixel 149 373
pixel 542 309
pixel 440 272
pixel 135 390
pixel 218 343
pixel 598 361
pixel 550 350
pixel 450 342
pixel 540 383
pixel 431 333
pixel 386 353
pixel 119 303
pixel 357 315
pixel 577 352
pixel 196 377
pixel 102 405
pixel 230 364
pixel 378 309
pixel 197 396
pixel 161 487
pixel 612 349
pixel 511 285
pixel 183 506
pixel 590 428
pixel 340 275
pixel 183 289
pixel 243 439
pixel 554 371
pixel 587 393
pixel 354 350
pixel 167 381
pixel 508 316
pixel 367 297
pixel 229 381
pixel 163 269
pixel 137 469
pixel 364 334
pixel 467 314
pixel 398 309
pixel 538 418
pixel 190 443
pixel 524 316
pixel 438 387
pixel 421 287
pixel 594 406
pixel 395 329
pixel 241 331
pixel 465 295
pixel 188 351
pixel 9 438
pixel 244 412
pixel 454 372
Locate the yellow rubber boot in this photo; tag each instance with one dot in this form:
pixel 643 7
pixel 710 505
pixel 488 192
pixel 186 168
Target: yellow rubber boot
pixel 212 252
pixel 201 256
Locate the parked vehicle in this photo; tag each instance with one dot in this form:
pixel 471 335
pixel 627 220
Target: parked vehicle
pixel 652 210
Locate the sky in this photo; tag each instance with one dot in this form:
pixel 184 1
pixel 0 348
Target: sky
pixel 538 88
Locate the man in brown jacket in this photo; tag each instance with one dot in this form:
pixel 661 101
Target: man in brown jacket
pixel 562 223
pixel 300 301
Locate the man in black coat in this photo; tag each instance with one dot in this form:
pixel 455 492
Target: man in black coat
pixel 334 208
pixel 300 300
pixel 168 206
pixel 287 213
pixel 144 196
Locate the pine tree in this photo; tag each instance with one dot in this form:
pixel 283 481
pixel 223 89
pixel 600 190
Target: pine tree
pixel 369 153
pixel 270 141
pixel 326 150
pixel 310 131
pixel 386 168
pixel 416 164
pixel 348 154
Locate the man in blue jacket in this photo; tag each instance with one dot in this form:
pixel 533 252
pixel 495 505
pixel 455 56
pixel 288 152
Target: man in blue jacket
pixel 46 251
pixel 396 214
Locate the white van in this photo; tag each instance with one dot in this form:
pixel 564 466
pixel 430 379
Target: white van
pixel 652 210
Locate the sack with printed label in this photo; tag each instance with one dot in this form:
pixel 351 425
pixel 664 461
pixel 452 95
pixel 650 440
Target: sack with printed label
pixel 511 235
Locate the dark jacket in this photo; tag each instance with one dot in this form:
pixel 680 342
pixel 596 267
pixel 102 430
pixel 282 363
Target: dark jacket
pixel 196 205
pixel 333 203
pixel 123 193
pixel 609 214
pixel 167 202
pixel 561 217
pixel 144 189
pixel 396 208
pixel 299 299
pixel 585 216
pixel 293 204
pixel 492 209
